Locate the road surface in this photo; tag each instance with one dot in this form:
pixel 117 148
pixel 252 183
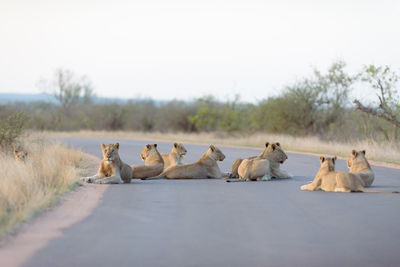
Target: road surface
pixel 214 223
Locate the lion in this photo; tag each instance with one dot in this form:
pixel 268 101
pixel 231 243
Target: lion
pixel 153 163
pixel 261 167
pixel 20 156
pixel 175 157
pixel 205 167
pixel 359 165
pixel 329 180
pixel 254 169
pixel 112 169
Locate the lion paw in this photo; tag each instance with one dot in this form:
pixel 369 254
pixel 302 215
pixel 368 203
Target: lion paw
pixel 90 180
pixel 266 178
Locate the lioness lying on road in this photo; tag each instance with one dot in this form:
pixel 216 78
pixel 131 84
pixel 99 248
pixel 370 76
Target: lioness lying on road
pixel 153 163
pixel 275 155
pixel 261 167
pixel 205 167
pixel 359 165
pixel 329 180
pixel 175 157
pixel 112 169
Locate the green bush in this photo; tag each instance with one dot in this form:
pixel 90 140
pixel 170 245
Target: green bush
pixel 11 128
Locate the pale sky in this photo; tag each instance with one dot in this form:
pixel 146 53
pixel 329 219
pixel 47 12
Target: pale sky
pixel 186 49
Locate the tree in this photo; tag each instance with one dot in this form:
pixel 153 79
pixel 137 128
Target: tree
pixel 68 89
pixel 384 81
pixel 311 105
pixel 11 128
pixel 208 114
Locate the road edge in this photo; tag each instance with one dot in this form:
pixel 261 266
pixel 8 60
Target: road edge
pixel 73 207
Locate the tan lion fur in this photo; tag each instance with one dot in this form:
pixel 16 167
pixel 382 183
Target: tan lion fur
pixel 205 167
pixel 112 169
pixel 153 163
pixel 329 180
pixel 275 156
pixel 20 156
pixel 359 165
pixel 175 157
pixel 254 169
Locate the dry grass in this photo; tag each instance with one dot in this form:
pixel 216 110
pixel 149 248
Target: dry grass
pixel 383 152
pixel 26 188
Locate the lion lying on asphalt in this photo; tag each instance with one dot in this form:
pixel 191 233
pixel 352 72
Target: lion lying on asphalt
pixel 329 180
pixel 276 157
pixel 262 167
pixel 359 165
pixel 112 169
pixel 175 157
pixel 153 163
pixel 205 167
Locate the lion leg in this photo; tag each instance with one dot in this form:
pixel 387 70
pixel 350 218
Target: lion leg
pixel 116 179
pixel 266 177
pixel 226 175
pixel 235 167
pixel 247 178
pixel 313 186
pixel 90 179
pixel 342 184
pixel 281 174
pixel 342 190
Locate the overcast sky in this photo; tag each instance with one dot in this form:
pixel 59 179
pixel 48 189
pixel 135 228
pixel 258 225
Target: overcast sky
pixel 186 49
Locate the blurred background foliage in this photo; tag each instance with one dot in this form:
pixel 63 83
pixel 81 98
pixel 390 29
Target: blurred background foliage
pixel 318 105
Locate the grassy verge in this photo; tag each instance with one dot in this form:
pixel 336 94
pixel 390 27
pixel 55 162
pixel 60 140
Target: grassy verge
pixel 27 188
pixel 388 152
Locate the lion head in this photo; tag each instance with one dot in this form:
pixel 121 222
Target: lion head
pixel 20 155
pixel 357 161
pixel 148 151
pixel 215 153
pixel 327 164
pixel 274 153
pixel 110 152
pixel 179 149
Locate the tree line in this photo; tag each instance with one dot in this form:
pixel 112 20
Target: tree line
pixel 318 105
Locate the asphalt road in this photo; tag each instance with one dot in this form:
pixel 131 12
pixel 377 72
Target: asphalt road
pixel 214 223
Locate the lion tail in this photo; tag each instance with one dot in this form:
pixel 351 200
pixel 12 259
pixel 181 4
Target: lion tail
pixel 158 177
pixel 380 192
pixel 235 180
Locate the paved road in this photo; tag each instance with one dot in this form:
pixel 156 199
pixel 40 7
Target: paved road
pixel 214 223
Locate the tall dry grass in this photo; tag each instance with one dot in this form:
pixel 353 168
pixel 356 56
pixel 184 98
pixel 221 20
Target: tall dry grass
pixel 25 188
pixel 388 152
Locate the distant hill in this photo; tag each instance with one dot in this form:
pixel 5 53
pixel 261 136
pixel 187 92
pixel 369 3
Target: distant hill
pixel 6 98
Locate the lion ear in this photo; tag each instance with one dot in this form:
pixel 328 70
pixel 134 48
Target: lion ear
pixel 15 152
pixel 363 152
pixel 212 147
pixel 148 146
pixel 25 152
pixel 266 144
pixel 354 152
pixel 273 146
pixel 116 145
pixel 334 159
pixel 103 146
pixel 321 158
pixel 176 145
pixel 278 144
pixel 155 145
